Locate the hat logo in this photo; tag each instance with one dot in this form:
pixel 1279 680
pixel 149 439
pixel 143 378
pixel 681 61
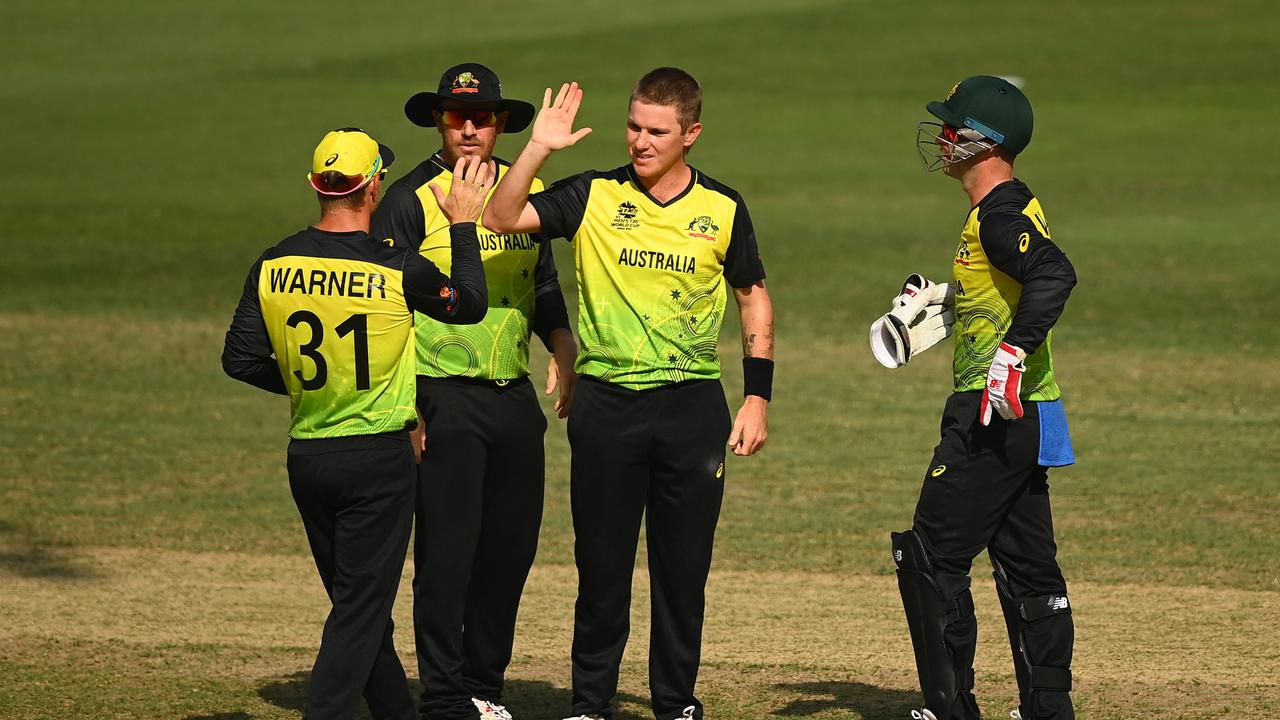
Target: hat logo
pixel 953 91
pixel 466 83
pixel 332 159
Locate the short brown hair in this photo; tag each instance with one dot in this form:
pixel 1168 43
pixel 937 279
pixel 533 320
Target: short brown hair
pixel 671 87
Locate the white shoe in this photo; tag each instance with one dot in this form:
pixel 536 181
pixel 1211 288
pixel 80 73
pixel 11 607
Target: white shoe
pixel 687 713
pixel 922 714
pixel 490 711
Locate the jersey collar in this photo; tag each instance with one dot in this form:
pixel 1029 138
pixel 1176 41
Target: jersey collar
pixel 693 180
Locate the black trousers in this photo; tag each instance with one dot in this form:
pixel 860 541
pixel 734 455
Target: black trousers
pixel 984 489
pixel 355 496
pixel 479 507
pixel 657 454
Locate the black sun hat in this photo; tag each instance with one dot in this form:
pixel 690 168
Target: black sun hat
pixel 471 84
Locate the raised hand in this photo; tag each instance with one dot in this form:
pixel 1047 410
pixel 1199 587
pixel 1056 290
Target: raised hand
pixel 553 128
pixel 472 179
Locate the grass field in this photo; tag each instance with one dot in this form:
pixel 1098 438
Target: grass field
pixel 152 564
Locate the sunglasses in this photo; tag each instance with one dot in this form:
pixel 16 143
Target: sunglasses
pixel 336 185
pixel 478 118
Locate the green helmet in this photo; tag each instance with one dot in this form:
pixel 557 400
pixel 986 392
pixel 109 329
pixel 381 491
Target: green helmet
pixel 992 106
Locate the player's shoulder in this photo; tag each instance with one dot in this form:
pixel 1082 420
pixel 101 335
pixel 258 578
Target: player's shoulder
pixel 1009 198
pixel 356 246
pixel 581 182
pixel 710 184
pixel 422 173
pixel 1003 215
pixel 504 165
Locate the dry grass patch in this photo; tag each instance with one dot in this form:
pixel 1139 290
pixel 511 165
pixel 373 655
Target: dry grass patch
pixel 776 643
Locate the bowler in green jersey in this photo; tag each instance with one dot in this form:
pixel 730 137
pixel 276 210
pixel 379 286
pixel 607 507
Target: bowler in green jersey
pixel 658 244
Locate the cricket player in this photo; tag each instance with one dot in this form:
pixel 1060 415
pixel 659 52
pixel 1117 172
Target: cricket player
pixel 326 318
pixel 656 243
pixel 1002 428
pixel 480 483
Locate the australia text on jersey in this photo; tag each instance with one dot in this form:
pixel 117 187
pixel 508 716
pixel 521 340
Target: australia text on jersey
pixel 327 282
pixel 495 241
pixel 657 260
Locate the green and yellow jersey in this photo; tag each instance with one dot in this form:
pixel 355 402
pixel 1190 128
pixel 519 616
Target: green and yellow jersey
pixel 326 317
pixel 1011 284
pixel 651 275
pixel 524 290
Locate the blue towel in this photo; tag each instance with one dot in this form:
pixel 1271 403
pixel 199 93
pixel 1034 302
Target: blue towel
pixel 1055 439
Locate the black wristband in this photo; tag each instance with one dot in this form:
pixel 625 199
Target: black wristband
pixel 757 377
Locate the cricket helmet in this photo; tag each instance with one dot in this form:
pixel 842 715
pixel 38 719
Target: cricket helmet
pixel 980 112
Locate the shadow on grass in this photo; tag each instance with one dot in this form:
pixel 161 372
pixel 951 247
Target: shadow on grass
pixel 289 692
pixel 524 698
pixel 869 701
pixel 19 556
pixel 539 699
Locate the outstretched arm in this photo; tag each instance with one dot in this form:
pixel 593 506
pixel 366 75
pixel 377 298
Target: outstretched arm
pixel 509 210
pixel 751 426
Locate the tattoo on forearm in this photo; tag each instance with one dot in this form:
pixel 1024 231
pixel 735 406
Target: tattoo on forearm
pixel 748 344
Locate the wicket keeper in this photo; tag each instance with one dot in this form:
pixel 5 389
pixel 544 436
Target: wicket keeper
pixel 326 318
pixel 1002 428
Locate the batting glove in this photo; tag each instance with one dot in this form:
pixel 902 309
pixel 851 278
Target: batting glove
pixel 923 314
pixel 1004 380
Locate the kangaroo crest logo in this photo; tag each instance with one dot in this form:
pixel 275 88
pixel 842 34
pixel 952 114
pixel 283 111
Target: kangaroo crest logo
pixel 625 219
pixel 465 83
pixel 703 227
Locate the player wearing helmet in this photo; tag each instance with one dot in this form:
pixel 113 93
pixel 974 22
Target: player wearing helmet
pixel 1002 427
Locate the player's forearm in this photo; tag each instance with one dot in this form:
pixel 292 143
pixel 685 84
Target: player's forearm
pixel 550 316
pixel 258 371
pixel 563 346
pixel 467 275
pixel 246 350
pixel 1044 296
pixel 755 309
pixel 509 198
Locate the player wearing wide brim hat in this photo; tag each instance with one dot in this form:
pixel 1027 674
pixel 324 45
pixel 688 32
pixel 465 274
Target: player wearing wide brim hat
pixel 1003 426
pixel 469 85
pixel 482 473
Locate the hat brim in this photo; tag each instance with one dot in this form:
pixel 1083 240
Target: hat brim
pixel 387 156
pixel 419 110
pixel 944 113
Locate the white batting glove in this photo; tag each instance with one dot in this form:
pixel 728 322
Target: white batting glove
pixel 923 314
pixel 1004 381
